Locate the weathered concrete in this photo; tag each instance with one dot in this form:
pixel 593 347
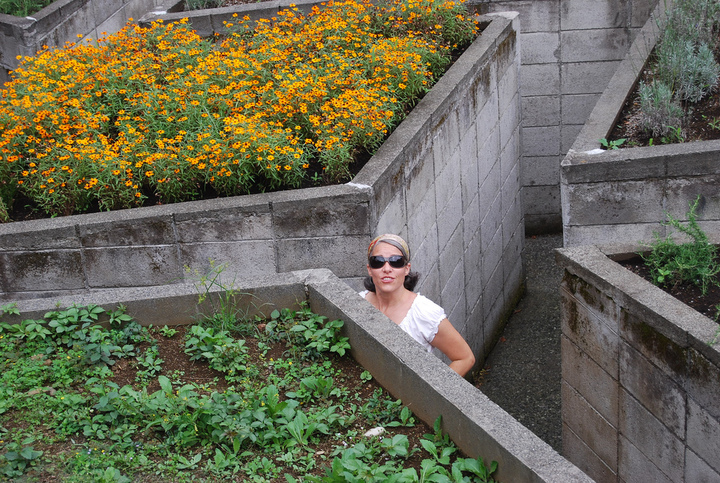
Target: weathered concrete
pixel 424 383
pixel 641 374
pixel 447 179
pixel 624 195
pixel 570 50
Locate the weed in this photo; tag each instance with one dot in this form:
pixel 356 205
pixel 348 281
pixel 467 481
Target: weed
pixel 615 144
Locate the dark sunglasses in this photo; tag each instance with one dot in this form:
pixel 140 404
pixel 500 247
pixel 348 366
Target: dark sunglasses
pixel 395 261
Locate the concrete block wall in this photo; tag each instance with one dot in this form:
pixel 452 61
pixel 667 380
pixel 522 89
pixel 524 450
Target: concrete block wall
pixel 569 50
pixel 625 195
pixel 431 181
pixel 640 375
pixel 459 206
pixel 60 22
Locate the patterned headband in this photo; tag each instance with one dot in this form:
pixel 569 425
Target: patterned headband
pixel 393 240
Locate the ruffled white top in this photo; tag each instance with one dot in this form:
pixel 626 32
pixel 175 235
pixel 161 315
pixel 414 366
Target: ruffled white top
pixel 422 320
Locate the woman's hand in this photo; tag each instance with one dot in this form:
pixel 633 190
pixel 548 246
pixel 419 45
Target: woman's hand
pixel 449 341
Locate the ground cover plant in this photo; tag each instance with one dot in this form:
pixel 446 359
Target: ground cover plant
pixel 677 99
pixel 160 115
pixel 88 395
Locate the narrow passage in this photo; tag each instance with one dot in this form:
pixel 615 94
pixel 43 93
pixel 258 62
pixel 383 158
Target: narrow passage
pixel 522 374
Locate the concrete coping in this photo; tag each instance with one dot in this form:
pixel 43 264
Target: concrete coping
pixel 598 265
pixel 422 381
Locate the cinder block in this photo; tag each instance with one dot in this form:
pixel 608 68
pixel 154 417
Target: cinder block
pixel 698 470
pixel 634 466
pixel 568 135
pixel 509 122
pixel 420 180
pixel 132 266
pixel 541 200
pixel 450 219
pixel 471 220
pixel 132 232
pixel 641 428
pixel 343 255
pixel 394 218
pixel 541 110
pixel 447 180
pixel 593 45
pixel 510 162
pixel 104 9
pixel 321 216
pixel 659 394
pixel 451 255
pixel 613 202
pixel 703 436
pixel 39 271
pixel 534 16
pixel 577 108
pixel 539 48
pixel 603 234
pixel 589 425
pixel 224 225
pixel 587 77
pixel 703 382
pixel 540 170
pixel 422 216
pixel 46 236
pixel 541 141
pixel 540 80
pixel 589 14
pixel 492 259
pixel 238 261
pixel 508 83
pixel 589 380
pixel 585 315
pixel 577 452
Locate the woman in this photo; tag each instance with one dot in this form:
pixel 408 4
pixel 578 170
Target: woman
pixel 390 285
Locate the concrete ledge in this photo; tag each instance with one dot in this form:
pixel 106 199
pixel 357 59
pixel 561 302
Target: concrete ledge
pixel 641 374
pixel 624 195
pixel 423 382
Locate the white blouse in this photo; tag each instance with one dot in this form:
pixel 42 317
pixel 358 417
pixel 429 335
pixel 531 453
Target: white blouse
pixel 422 320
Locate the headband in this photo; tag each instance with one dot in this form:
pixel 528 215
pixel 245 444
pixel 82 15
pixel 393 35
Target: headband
pixel 393 240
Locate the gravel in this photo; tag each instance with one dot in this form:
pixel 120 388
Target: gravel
pixel 522 373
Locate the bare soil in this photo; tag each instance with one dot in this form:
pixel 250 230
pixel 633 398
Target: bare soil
pixel 691 295
pixel 701 124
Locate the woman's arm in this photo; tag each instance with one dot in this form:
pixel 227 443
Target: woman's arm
pixel 451 343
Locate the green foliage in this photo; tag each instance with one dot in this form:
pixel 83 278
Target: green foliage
pixel 684 67
pixel 615 144
pixel 693 261
pixel 266 421
pixel 22 8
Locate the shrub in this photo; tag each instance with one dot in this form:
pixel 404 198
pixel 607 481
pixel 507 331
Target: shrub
pixel 660 111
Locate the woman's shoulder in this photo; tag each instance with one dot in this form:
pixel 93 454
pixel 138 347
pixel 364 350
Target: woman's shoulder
pixel 424 305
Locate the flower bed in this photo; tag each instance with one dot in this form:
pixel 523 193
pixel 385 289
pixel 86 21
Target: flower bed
pixel 622 195
pixel 425 384
pixel 641 374
pixel 229 397
pixel 164 114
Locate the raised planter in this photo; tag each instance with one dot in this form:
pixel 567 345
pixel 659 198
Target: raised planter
pixel 60 22
pixel 640 374
pixel 430 388
pixel 622 196
pixel 447 179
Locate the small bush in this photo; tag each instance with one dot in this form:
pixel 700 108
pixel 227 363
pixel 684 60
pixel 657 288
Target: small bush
pixel 661 112
pixel 694 261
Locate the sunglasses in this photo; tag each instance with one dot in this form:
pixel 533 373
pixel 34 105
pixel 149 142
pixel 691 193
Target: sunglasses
pixel 395 261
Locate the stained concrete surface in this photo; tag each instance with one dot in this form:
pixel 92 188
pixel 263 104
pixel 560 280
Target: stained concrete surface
pixel 522 373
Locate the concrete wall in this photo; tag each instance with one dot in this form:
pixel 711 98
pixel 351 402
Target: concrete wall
pixel 447 179
pixel 60 22
pixel 623 196
pixel 570 50
pixel 430 388
pixel 640 375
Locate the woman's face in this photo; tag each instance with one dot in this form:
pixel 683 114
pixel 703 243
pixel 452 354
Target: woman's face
pixel 386 278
